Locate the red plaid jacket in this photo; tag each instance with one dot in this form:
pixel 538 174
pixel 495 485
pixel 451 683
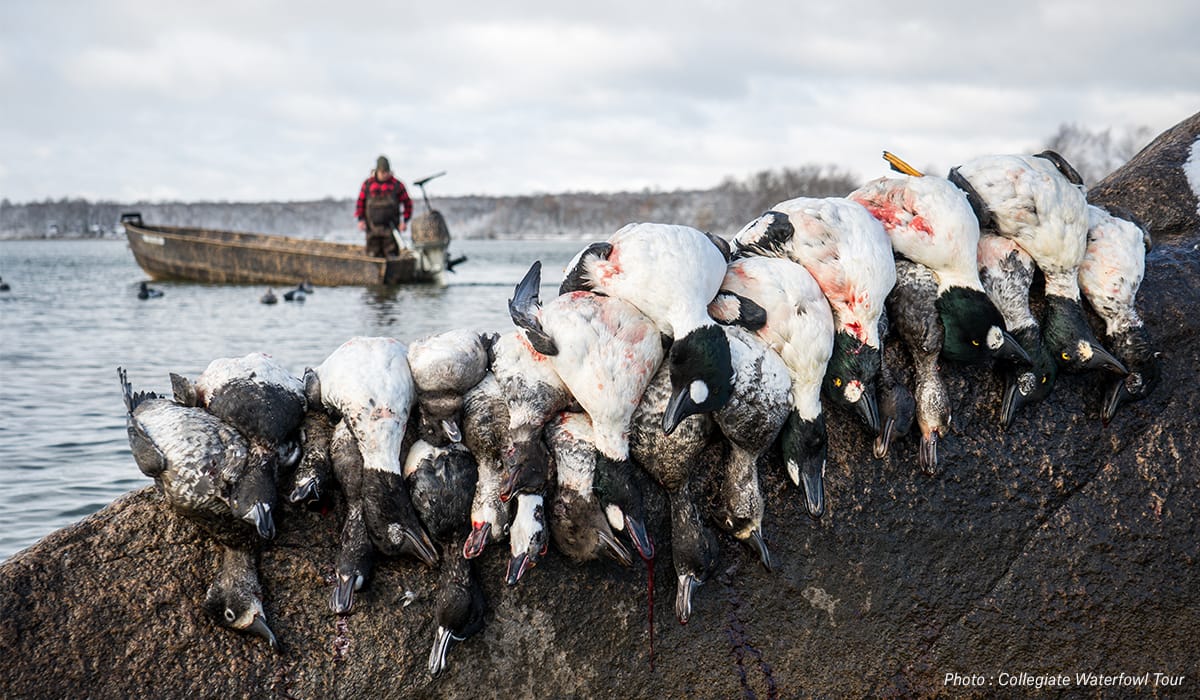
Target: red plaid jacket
pixel 372 187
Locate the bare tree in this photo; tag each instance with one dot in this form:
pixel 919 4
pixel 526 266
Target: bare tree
pixel 1095 154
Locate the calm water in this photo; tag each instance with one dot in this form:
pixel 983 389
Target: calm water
pixel 73 317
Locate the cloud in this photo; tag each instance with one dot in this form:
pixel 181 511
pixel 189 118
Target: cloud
pixel 288 100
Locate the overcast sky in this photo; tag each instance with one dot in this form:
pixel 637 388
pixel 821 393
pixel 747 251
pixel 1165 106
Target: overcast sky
pixel 293 100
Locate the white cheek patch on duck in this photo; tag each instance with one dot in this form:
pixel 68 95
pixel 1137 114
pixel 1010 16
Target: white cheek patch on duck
pixel 995 338
pixel 854 391
pixel 698 391
pixel 615 517
pixel 1084 351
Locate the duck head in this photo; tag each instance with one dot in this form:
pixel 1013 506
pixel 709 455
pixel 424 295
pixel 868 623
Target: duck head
pixel 896 409
pixel 804 447
pixel 974 329
pixel 439 418
pixel 252 499
pixel 526 466
pixel 1027 384
pixel 850 377
pixel 1145 371
pixel 616 487
pixel 1070 341
pixel 527 539
pixel 933 419
pixel 701 372
pixel 354 562
pixel 580 530
pixel 234 600
pixel 694 552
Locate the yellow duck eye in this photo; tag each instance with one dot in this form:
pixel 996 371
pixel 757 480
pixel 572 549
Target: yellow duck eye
pixel 837 381
pixel 1043 379
pixel 1066 357
pixel 975 343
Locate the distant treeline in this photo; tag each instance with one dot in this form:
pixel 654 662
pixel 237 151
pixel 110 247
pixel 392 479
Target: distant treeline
pixel 722 209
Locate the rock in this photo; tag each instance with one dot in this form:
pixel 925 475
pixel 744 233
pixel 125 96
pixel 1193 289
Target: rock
pixel 1154 184
pixel 1060 546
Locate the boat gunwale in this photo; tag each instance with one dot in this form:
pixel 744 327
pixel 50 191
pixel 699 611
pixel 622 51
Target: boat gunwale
pixel 279 244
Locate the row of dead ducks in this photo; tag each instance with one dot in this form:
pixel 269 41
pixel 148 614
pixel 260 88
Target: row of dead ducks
pixel 467 468
pixel 659 344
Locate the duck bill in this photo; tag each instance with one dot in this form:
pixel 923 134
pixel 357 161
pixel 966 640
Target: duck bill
pixel 1011 402
pixel 883 440
pixel 342 598
pixel 442 640
pixel 1116 395
pixel 517 566
pixel 641 538
pixel 927 457
pixel 1103 359
pixel 260 517
pixel 419 545
pixel 868 410
pixel 477 540
pixel 306 491
pixel 450 428
pixel 1011 351
pixel 259 628
pixel 684 591
pixel 679 407
pixel 759 546
pixel 812 478
pixel 614 548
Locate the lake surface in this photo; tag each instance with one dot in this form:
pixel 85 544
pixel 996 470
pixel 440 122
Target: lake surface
pixel 73 316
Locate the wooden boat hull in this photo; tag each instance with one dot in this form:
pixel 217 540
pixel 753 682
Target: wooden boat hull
pixel 231 257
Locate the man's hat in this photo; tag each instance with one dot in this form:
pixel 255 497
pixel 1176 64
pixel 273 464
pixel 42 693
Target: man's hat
pixel 383 165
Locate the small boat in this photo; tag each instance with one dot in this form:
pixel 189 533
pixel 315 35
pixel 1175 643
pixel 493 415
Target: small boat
pixel 232 257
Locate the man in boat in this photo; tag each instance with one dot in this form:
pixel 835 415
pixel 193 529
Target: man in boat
pixel 383 206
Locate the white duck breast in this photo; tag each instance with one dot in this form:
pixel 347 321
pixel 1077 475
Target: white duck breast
pixel 254 393
pixel 571 438
pixel 444 367
pixel 1006 272
pixel 929 221
pixel 1110 275
pixel 531 386
pixel 668 272
pixel 452 361
pixel 607 353
pixel 799 328
pixel 1112 269
pixel 368 382
pixel 844 248
pixel 1032 203
pixel 486 435
pixel 533 393
pixel 578 524
pixel 799 323
pixel 757 410
pixel 528 538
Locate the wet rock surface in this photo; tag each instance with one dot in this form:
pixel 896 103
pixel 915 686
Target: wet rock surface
pixel 1153 184
pixel 1060 546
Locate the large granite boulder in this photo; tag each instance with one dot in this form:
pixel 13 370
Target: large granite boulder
pixel 1062 546
pixel 1161 184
